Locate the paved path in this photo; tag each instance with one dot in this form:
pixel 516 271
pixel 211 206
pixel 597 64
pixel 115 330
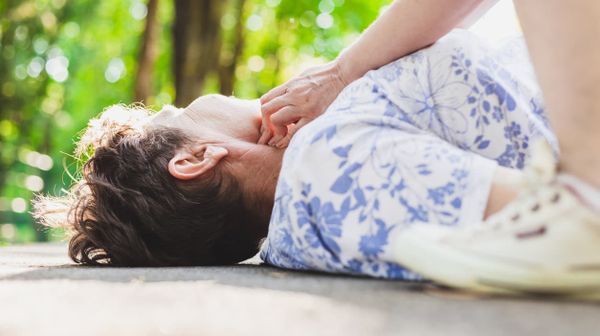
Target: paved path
pixel 41 293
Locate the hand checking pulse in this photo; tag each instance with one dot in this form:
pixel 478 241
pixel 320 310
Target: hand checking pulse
pixel 288 107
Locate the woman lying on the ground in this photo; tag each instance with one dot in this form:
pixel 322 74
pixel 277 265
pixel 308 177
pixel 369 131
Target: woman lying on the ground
pixel 429 139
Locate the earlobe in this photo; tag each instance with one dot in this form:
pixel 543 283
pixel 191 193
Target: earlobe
pixel 190 163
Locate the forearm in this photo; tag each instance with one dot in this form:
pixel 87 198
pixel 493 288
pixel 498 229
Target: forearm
pixel 406 26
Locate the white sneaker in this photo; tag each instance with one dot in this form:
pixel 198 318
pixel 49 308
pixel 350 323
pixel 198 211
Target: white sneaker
pixel 546 241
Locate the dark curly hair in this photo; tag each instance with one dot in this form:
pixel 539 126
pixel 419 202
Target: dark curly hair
pixel 127 210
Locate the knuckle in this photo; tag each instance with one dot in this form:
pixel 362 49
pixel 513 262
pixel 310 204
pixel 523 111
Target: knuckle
pixel 295 90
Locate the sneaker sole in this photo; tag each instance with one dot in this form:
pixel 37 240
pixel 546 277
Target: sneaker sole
pixel 459 269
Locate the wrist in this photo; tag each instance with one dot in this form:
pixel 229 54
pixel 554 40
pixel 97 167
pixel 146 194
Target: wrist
pixel 337 76
pixel 347 68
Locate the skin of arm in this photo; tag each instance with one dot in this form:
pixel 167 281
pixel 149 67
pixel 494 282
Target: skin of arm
pixel 406 26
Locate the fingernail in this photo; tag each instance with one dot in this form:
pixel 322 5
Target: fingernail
pixel 274 140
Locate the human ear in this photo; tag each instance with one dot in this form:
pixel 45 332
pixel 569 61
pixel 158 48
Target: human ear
pixel 189 163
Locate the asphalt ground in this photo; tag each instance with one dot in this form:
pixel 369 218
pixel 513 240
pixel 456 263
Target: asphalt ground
pixel 43 293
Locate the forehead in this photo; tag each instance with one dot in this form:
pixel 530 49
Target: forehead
pixel 168 116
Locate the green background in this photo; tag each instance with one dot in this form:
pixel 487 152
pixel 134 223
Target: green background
pixel 62 62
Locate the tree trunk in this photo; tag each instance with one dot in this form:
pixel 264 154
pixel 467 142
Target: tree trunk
pixel 228 66
pixel 147 55
pixel 197 42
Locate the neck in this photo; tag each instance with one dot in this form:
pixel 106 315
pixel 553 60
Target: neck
pixel 257 167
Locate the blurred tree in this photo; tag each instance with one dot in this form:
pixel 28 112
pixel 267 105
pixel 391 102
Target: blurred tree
pixel 58 68
pixel 229 58
pixel 147 54
pixel 197 42
pixel 27 32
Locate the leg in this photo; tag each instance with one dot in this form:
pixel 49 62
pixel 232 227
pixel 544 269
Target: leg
pixel 562 40
pixel 470 95
pixel 548 240
pixel 501 192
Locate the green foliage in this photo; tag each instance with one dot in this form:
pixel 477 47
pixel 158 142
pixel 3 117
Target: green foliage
pixel 62 62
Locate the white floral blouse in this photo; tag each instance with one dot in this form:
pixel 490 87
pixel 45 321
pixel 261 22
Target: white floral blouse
pixel 415 142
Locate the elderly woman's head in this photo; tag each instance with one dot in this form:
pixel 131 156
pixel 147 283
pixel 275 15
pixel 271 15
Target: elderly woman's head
pixel 180 187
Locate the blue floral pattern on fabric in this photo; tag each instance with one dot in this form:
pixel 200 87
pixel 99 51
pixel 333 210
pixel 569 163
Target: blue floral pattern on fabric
pixel 412 143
